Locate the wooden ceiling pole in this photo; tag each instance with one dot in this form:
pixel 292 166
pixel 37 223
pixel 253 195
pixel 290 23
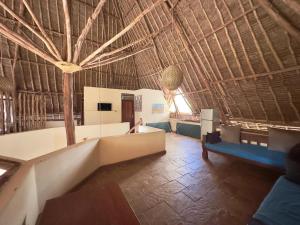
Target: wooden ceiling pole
pixel 106 54
pixel 68 80
pixel 86 30
pixel 48 42
pixel 279 19
pixel 116 58
pixel 68 32
pixel 188 48
pixel 14 37
pixel 121 33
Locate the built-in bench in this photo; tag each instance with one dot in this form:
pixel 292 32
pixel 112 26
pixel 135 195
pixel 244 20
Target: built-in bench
pixel 250 149
pixel 187 129
pixel 161 125
pixel 281 206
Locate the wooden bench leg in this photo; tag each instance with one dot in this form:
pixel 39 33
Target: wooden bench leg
pixel 204 154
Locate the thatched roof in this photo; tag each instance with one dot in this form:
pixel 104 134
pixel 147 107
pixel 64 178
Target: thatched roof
pixel 235 54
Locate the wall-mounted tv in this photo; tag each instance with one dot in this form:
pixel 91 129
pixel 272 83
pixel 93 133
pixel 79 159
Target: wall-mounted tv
pixel 104 106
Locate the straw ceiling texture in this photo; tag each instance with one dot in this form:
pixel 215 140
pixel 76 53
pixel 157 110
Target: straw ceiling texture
pixel 250 62
pixel 233 54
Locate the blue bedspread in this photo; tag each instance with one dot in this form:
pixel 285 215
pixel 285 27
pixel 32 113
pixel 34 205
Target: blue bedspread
pixel 251 152
pixel 282 204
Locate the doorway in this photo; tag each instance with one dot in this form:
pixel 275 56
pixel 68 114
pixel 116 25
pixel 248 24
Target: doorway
pixel 128 109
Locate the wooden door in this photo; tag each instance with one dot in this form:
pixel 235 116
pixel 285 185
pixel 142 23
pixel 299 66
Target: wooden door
pixel 128 112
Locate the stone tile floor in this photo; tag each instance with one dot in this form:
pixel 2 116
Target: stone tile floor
pixel 180 188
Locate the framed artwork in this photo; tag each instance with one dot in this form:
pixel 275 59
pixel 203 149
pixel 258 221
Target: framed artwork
pixel 138 103
pixel 157 108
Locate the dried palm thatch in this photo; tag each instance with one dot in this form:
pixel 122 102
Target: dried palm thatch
pixel 241 56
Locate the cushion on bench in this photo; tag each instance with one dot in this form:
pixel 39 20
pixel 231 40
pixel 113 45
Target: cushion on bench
pixel 190 130
pixel 250 152
pixel 282 204
pixel 161 125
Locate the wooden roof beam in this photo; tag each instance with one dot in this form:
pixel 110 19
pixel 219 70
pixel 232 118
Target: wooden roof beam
pixel 116 58
pixel 190 52
pixel 49 44
pixel 120 34
pixel 279 19
pixel 68 32
pixel 86 30
pixel 14 37
pixel 48 40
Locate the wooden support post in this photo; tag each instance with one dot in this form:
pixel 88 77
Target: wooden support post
pixel 68 108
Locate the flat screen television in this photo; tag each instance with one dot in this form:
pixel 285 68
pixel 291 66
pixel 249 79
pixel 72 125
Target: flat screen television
pixel 104 106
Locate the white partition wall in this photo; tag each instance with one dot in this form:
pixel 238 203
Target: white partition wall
pixel 31 144
pixel 93 95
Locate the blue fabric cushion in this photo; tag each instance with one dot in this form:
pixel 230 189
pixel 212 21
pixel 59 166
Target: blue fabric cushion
pixel 282 204
pixel 191 130
pixel 251 152
pixel 161 125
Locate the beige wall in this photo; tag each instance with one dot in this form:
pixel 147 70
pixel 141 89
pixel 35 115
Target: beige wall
pixel 125 147
pixel 32 144
pixel 60 172
pixel 48 177
pixel 52 175
pixel 94 95
pixel 153 97
pixel 24 202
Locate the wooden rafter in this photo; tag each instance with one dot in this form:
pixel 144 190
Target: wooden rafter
pixel 86 29
pixel 116 58
pixel 68 29
pixel 279 19
pixel 104 55
pixel 21 21
pixel 48 41
pixel 120 34
pixel 11 35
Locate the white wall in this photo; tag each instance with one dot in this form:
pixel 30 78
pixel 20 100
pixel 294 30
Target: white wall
pixel 153 97
pixel 59 173
pixel 31 144
pixel 46 178
pixel 94 95
pixel 54 174
pixel 24 203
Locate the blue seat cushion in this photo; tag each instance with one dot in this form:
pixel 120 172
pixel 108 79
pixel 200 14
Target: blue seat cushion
pixel 161 125
pixel 282 204
pixel 190 130
pixel 250 152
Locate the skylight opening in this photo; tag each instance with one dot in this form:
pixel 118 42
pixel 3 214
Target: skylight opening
pixel 181 102
pixel 2 171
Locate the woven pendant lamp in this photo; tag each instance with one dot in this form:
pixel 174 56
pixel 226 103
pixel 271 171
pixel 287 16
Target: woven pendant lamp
pixel 172 77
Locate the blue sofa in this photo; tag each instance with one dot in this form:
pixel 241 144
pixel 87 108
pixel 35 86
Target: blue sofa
pixel 281 206
pixel 190 130
pixel 250 152
pixel 166 126
pixel 255 153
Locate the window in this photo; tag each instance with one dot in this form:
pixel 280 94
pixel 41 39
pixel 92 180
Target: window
pixel 2 171
pixel 181 102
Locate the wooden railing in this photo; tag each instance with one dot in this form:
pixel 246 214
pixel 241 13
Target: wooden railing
pixel 140 122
